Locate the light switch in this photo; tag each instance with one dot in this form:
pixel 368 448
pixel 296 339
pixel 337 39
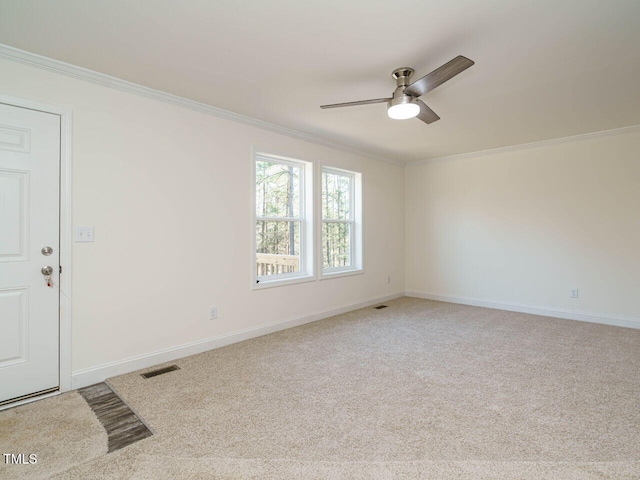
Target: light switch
pixel 84 234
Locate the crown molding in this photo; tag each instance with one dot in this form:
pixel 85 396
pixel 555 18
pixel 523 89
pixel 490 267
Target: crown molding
pixel 529 146
pixel 105 80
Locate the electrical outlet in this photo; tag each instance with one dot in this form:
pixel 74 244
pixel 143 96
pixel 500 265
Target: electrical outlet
pixel 389 279
pixel 573 293
pixel 213 313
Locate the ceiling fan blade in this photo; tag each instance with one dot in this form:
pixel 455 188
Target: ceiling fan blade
pixel 438 76
pixel 361 102
pixel 426 114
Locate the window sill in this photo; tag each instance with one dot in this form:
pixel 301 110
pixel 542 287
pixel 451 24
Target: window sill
pixel 281 282
pixel 341 273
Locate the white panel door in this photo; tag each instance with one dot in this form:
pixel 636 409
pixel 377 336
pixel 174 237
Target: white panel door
pixel 29 221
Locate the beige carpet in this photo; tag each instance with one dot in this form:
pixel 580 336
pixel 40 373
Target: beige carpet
pixel 61 431
pixel 418 390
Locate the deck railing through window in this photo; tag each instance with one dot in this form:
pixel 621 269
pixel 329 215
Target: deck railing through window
pixel 270 264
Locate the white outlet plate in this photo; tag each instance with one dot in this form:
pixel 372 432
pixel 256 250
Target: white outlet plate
pixel 213 313
pixel 573 293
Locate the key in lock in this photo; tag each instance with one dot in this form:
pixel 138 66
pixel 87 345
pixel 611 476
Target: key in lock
pixel 47 271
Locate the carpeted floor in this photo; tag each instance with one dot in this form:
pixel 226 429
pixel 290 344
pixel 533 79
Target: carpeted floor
pixel 418 390
pixel 61 431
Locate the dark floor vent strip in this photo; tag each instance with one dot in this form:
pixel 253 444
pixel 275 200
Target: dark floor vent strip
pixel 122 425
pixel 160 371
pixel 380 307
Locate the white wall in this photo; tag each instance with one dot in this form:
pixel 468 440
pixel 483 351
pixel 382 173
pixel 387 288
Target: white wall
pixel 168 191
pixel 521 228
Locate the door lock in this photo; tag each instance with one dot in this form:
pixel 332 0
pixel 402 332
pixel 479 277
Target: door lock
pixel 47 271
pixel 46 251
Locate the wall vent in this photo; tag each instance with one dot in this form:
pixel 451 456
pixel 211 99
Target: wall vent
pixel 380 307
pixel 160 371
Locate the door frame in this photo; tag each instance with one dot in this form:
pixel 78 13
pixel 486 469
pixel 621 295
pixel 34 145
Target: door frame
pixel 66 234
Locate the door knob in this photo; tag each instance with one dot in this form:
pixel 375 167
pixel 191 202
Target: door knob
pixel 47 271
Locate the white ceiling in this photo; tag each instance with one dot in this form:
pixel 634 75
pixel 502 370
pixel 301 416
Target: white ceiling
pixel 544 69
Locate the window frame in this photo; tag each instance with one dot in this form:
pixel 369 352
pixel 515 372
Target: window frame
pixel 356 237
pixel 305 217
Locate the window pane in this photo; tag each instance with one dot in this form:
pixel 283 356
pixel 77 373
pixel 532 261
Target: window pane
pixel 336 196
pixel 277 189
pixel 277 247
pixel 336 245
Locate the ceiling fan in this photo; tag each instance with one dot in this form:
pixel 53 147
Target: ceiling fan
pixel 405 102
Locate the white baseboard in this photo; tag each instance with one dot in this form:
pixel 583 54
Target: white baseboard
pixel 544 311
pixel 90 376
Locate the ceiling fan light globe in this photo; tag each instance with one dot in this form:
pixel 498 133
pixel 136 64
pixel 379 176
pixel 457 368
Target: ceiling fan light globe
pixel 403 111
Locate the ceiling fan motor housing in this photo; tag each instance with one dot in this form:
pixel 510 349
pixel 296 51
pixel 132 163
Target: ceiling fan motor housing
pixel 402 77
